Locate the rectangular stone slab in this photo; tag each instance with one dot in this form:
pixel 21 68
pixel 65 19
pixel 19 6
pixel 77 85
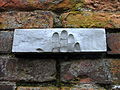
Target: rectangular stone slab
pixel 59 40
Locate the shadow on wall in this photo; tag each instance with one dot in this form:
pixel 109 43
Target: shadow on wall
pixel 64 42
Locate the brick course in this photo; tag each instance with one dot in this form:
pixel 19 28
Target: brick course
pixel 85 71
pixel 96 5
pixel 7 86
pixel 37 88
pixel 29 20
pixel 115 70
pixel 88 19
pixel 26 69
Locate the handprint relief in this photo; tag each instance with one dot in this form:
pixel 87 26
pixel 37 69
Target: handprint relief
pixel 55 42
pixel 77 47
pixel 71 42
pixel 64 42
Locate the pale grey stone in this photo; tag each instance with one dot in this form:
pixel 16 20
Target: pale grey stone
pixel 59 40
pixel 116 87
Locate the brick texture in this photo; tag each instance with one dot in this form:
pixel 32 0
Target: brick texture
pixel 7 86
pixel 82 87
pixel 37 4
pixel 87 19
pixel 85 71
pixel 82 73
pixel 96 5
pixel 35 19
pixel 6 38
pixel 26 69
pixel 37 88
pixel 103 5
pixel 114 67
pixel 113 40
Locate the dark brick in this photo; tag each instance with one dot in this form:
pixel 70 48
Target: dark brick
pixel 17 69
pixel 6 38
pixel 7 86
pixel 85 71
pixel 113 40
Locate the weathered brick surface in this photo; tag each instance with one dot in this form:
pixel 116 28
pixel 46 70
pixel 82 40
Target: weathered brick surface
pixel 7 86
pixel 33 19
pixel 103 5
pixel 6 38
pixel 84 87
pixel 16 69
pixel 96 5
pixel 91 19
pixel 113 40
pixel 81 87
pixel 37 88
pixel 114 67
pixel 37 4
pixel 85 71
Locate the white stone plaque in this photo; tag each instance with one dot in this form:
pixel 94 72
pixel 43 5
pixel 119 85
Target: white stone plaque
pixel 59 40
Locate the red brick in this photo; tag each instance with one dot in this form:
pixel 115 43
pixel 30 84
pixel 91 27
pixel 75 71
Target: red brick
pixel 26 69
pixel 113 40
pixel 37 88
pixel 85 71
pixel 103 5
pixel 96 5
pixel 36 4
pixel 29 20
pixel 86 80
pixel 84 87
pixel 114 68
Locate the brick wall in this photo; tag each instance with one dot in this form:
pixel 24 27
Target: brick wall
pixel 100 71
